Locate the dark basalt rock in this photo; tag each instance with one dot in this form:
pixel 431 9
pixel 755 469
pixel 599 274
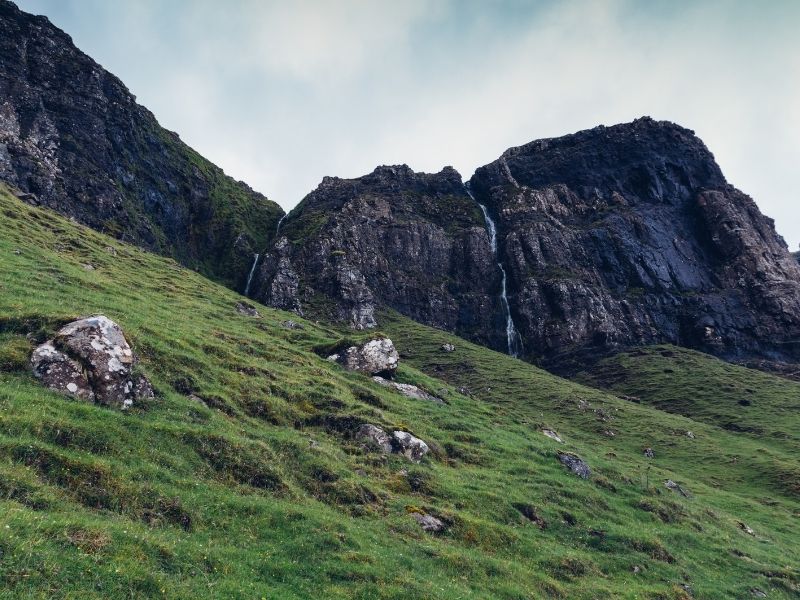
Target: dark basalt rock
pixel 415 242
pixel 629 235
pixel 73 139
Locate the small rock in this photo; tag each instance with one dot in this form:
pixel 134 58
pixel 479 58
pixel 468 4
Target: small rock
pixel 575 464
pixel 448 348
pixel 464 391
pixel 375 437
pixel 408 390
pixel 429 523
pixel 583 404
pixel 111 250
pixel 609 433
pixel 758 593
pixel 690 435
pixel 411 447
pixel 198 399
pixel 636 569
pixel 289 324
pixel 375 357
pixel 552 435
pixel 17 251
pixel 648 453
pixel 671 485
pixel 88 267
pixel 744 527
pixel 248 310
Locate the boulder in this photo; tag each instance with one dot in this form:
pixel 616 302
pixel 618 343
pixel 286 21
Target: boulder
pixel 374 436
pixel 575 464
pixel 409 446
pixel 648 453
pixel 552 435
pixel 248 310
pixel 375 357
pixel 448 348
pixel 671 485
pixel 408 390
pixel 91 359
pixel 429 523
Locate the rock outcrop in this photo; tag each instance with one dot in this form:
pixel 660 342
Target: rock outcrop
pixel 628 235
pixel 415 242
pixel 91 359
pixel 376 357
pixel 609 238
pixel 575 464
pixel 73 139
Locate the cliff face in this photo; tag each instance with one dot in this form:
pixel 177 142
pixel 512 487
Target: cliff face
pixel 630 235
pixel 410 241
pixel 613 237
pixel 73 138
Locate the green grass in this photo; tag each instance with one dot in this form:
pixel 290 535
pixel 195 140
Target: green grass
pixel 263 494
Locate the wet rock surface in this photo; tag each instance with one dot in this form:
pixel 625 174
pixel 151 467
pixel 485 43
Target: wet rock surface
pixel 91 359
pixel 73 139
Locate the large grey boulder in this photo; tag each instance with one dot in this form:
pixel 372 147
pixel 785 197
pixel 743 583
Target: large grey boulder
pixel 91 359
pixel 375 357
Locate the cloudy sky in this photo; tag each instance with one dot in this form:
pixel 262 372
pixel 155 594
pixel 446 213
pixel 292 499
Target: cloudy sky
pixel 281 93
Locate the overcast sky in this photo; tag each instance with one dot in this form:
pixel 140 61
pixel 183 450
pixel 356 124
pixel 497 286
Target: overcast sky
pixel 280 94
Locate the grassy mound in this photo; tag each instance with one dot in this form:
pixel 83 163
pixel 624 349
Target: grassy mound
pixel 242 478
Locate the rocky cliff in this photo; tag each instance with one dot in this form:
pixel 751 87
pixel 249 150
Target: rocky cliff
pixel 628 235
pixel 411 241
pixel 73 138
pixel 613 237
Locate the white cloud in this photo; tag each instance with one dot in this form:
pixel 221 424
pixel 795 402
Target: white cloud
pixel 282 93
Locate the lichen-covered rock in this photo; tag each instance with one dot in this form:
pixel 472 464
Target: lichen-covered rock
pixel 428 523
pixel 408 390
pixel 91 359
pixel 374 436
pixel 375 357
pixel 448 348
pixel 413 448
pixel 552 435
pixel 575 464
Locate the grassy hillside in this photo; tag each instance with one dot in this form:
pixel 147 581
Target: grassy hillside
pixel 702 387
pixel 260 492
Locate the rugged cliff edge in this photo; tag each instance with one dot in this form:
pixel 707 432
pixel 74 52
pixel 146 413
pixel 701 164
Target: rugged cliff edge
pixel 630 235
pixel 610 238
pixel 73 138
pixel 415 242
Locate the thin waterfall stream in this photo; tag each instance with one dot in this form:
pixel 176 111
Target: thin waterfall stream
pixel 250 276
pixel 513 339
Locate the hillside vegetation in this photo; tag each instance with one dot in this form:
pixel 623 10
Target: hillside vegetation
pixel 260 491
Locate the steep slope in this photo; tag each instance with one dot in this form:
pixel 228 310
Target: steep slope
pixel 703 388
pixel 256 490
pixel 630 235
pixel 412 241
pixel 73 138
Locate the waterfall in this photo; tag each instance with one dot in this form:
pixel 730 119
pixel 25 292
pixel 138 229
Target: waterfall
pixel 250 276
pixel 278 228
pixel 513 338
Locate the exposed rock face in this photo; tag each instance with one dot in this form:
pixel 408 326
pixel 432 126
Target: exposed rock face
pixel 375 357
pixel 73 138
pixel 91 359
pixel 411 241
pixel 630 235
